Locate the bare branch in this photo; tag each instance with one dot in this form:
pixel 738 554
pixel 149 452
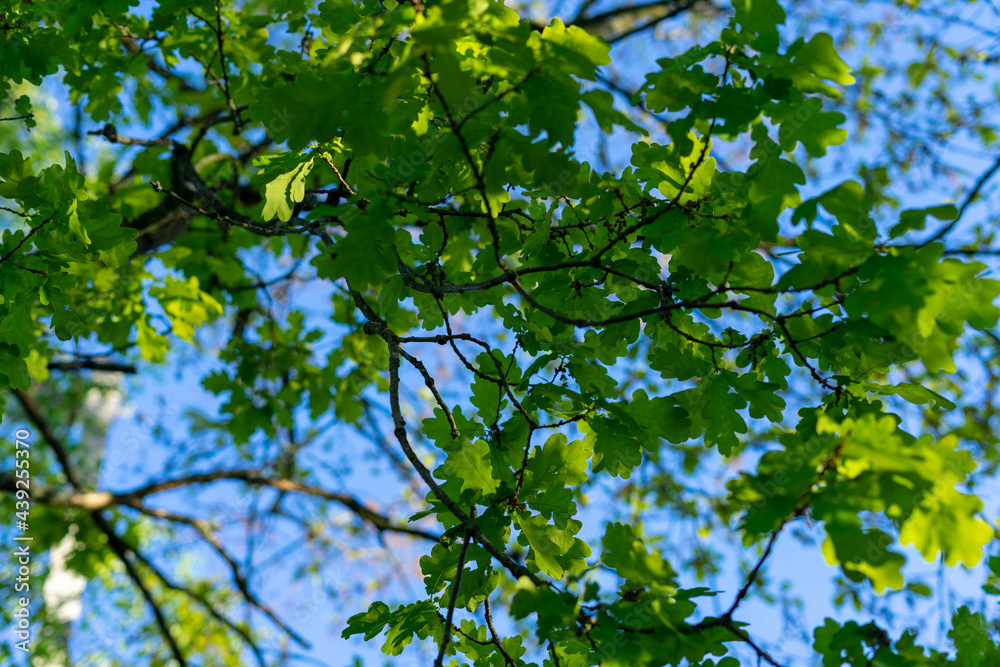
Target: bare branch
pixel 753 573
pixel 987 175
pixel 121 549
pixel 237 123
pixel 92 365
pixel 661 10
pixel 257 478
pixel 439 661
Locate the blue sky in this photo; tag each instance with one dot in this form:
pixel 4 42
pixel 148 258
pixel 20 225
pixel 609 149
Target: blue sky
pixel 319 612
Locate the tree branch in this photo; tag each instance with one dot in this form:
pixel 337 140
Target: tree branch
pixel 662 9
pixel 237 123
pixel 439 661
pixel 121 549
pixel 753 573
pixel 987 175
pixel 92 365
pixel 377 326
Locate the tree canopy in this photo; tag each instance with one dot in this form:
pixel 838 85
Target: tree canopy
pixel 570 318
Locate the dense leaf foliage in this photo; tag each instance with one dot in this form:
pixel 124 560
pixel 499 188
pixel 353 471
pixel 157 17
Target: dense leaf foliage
pixel 579 333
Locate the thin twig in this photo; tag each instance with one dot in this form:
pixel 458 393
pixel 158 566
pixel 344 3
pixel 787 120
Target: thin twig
pixel 753 573
pixel 340 177
pixel 204 602
pixel 987 175
pixel 14 211
pixel 27 236
pixel 237 123
pixel 488 613
pixel 110 132
pixel 439 661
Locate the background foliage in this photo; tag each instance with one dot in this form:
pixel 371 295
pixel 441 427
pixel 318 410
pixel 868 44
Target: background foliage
pixel 511 334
